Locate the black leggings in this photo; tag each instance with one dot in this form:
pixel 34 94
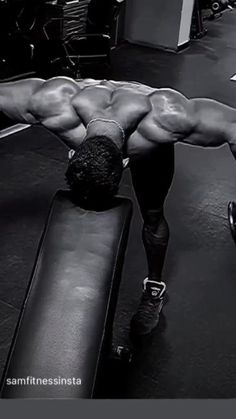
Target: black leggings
pixel 152 176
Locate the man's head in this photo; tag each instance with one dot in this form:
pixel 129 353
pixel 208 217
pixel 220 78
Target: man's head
pixel 95 171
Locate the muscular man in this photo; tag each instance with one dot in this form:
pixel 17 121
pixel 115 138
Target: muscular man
pixel 108 122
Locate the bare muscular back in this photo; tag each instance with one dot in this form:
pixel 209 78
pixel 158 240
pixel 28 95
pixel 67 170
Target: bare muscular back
pixel 149 116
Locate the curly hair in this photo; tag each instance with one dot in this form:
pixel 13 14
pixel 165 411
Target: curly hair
pixel 95 171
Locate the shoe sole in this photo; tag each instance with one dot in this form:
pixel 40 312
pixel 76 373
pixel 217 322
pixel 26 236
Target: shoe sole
pixel 135 333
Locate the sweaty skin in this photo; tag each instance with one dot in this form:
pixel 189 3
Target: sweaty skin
pixel 153 120
pixel 149 117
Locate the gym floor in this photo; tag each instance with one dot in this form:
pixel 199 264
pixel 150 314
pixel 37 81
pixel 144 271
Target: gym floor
pixel 192 354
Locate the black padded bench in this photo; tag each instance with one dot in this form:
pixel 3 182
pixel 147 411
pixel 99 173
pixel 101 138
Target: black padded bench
pixel 65 328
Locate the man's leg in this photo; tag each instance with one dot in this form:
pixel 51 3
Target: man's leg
pixel 152 177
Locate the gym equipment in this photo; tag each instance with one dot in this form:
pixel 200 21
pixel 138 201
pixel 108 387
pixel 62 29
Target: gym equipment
pixel 216 6
pixel 197 28
pixel 219 5
pixel 65 327
pixel 150 24
pixel 232 218
pixel 82 50
pixel 16 50
pixel 121 353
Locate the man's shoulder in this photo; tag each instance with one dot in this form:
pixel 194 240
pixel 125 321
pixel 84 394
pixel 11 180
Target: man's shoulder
pixel 53 97
pixel 168 94
pixel 60 84
pixel 170 103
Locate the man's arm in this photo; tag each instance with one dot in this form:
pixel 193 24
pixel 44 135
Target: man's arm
pixel 47 102
pixel 213 124
pixel 200 122
pixel 15 99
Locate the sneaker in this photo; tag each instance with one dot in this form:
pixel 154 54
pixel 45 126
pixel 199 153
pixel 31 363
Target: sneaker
pixel 148 313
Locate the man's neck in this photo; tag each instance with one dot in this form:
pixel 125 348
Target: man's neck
pixel 108 129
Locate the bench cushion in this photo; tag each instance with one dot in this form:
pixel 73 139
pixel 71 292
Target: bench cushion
pixel 66 321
